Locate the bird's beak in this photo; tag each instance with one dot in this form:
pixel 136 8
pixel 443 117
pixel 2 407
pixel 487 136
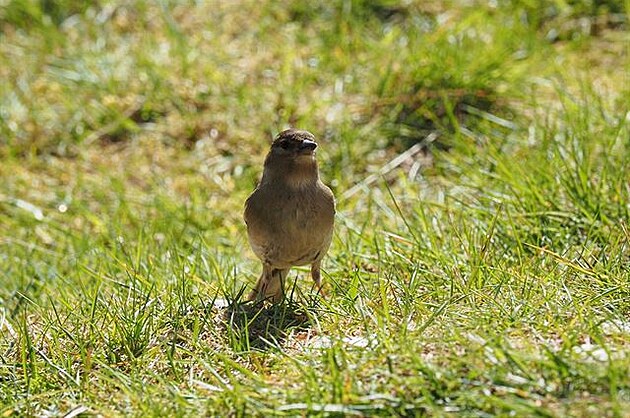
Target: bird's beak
pixel 308 145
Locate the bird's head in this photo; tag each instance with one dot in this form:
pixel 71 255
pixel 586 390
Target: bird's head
pixel 292 157
pixel 293 144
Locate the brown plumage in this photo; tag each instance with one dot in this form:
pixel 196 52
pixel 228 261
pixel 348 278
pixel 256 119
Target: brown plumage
pixel 290 215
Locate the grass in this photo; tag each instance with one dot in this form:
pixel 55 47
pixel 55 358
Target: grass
pixel 479 155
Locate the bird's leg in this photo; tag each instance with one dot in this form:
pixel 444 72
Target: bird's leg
pixel 275 288
pixel 270 285
pixel 317 277
pixel 261 284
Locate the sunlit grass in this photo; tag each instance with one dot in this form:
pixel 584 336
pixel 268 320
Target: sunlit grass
pixel 479 154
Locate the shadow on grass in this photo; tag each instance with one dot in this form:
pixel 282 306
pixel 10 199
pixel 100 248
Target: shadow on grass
pixel 261 326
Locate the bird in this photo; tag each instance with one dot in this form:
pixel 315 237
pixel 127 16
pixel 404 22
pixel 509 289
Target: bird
pixel 290 215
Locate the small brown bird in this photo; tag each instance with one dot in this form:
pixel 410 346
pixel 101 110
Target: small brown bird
pixel 290 215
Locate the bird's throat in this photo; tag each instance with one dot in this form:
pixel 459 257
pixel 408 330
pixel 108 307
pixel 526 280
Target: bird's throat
pixel 299 173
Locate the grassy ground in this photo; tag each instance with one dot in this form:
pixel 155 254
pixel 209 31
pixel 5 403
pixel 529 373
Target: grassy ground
pixel 479 153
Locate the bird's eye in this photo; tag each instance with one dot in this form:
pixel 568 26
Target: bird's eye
pixel 284 145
